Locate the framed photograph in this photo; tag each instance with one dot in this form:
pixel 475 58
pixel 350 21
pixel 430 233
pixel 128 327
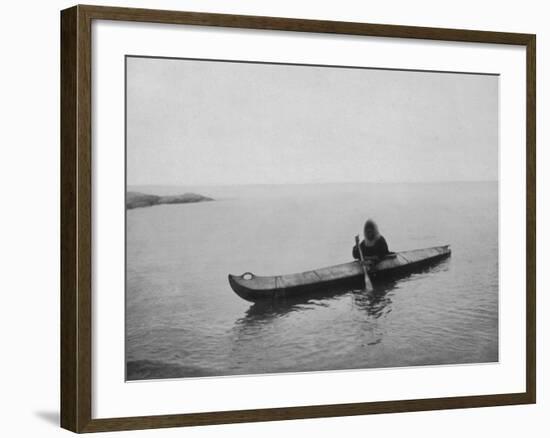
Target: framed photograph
pixel 272 218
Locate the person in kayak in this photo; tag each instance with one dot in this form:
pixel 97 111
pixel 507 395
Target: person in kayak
pixel 374 246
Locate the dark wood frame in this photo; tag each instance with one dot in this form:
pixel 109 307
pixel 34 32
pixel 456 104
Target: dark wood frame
pixel 76 219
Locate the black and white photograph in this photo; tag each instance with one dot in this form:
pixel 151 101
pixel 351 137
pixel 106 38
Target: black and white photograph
pixel 290 218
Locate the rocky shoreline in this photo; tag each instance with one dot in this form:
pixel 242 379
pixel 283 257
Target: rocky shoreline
pixel 138 199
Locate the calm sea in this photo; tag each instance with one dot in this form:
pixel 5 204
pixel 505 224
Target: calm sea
pixel 183 319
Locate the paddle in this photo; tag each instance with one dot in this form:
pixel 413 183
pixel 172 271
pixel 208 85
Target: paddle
pixel 368 283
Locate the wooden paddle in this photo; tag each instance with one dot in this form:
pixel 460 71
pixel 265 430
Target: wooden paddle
pixel 368 283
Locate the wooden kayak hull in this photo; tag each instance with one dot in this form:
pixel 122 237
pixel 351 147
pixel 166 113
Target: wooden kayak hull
pixel 256 288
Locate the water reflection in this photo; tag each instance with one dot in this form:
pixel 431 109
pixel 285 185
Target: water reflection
pixel 263 312
pixel 376 303
pixel 260 314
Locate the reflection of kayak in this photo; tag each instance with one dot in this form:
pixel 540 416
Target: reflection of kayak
pixel 256 288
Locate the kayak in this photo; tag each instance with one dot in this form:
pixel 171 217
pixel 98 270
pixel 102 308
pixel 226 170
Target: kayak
pixel 256 288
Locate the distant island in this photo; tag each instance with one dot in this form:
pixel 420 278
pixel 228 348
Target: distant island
pixel 137 199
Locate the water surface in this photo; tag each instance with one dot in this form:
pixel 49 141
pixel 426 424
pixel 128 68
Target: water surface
pixel 183 319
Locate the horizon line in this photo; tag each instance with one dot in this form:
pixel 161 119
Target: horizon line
pixel 308 183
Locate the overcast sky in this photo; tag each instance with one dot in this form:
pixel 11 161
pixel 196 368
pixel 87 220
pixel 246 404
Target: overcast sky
pixel 202 122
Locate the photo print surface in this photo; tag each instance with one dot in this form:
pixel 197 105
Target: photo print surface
pixel 285 218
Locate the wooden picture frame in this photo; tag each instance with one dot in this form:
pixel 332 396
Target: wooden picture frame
pixel 76 217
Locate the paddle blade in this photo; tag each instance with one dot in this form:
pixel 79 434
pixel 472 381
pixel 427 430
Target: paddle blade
pixel 368 284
